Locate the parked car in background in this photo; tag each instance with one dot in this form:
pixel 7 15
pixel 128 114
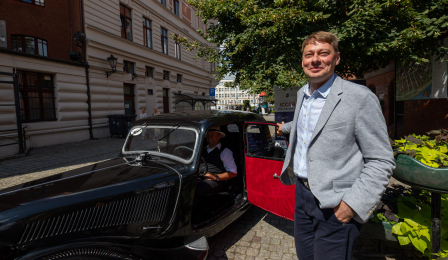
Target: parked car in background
pixel 262 108
pixel 141 205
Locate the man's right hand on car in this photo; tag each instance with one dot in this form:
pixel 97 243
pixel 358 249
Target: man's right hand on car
pixel 279 129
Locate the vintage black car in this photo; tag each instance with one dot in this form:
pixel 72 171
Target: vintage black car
pixel 141 205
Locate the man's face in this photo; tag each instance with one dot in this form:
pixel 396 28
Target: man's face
pixel 319 61
pixel 213 138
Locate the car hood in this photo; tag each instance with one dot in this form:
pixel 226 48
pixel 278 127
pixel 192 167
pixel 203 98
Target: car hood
pixel 110 198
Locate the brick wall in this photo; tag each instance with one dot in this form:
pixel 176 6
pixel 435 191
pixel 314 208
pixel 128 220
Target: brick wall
pixel 420 116
pixel 56 23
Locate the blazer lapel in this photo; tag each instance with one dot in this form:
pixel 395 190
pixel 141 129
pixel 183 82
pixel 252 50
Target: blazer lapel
pixel 299 102
pixel 330 104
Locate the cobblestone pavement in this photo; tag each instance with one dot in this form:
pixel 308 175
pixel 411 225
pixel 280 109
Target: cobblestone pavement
pixel 256 235
pixel 261 235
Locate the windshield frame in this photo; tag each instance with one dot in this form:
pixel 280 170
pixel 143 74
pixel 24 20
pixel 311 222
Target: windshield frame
pixel 176 127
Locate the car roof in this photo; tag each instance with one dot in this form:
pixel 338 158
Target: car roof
pixel 202 118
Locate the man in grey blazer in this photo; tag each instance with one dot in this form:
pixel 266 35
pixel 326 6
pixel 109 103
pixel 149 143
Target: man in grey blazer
pixel 339 155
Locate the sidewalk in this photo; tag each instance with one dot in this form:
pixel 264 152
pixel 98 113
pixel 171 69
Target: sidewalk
pixel 50 160
pixel 256 235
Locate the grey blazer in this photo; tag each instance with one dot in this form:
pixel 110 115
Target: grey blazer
pixel 349 156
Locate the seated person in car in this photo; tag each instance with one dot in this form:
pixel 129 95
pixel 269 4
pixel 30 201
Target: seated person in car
pixel 220 163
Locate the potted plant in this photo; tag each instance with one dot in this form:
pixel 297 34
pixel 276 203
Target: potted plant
pixel 422 162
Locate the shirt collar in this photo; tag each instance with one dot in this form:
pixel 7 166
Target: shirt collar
pixel 211 148
pixel 324 90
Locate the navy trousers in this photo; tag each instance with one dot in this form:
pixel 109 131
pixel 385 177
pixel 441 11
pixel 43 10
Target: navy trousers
pixel 318 234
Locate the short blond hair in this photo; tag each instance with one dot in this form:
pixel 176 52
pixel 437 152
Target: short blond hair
pixel 322 36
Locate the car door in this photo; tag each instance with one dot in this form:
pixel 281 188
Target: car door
pixel 264 162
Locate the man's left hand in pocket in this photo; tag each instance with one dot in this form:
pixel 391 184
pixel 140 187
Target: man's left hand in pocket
pixel 343 212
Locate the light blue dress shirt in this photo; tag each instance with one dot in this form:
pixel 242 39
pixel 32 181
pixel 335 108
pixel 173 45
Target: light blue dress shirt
pixel 310 110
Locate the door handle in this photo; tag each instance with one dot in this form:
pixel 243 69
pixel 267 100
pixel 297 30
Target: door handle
pixel 276 176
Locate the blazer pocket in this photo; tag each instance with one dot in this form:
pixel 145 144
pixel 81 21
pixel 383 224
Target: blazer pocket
pixel 339 186
pixel 336 125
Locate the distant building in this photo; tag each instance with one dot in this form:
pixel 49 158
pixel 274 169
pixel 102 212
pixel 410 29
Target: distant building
pixel 229 98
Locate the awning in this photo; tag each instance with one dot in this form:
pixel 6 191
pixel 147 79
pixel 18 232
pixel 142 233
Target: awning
pixel 193 102
pixel 193 98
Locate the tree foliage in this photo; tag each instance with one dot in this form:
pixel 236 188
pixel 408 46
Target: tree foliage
pixel 259 41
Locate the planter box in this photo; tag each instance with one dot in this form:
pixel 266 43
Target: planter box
pixel 419 175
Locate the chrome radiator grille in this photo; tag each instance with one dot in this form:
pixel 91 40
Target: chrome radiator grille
pixel 88 252
pixel 139 209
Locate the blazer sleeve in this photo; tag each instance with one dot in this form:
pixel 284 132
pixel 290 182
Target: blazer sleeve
pixel 286 128
pixel 373 141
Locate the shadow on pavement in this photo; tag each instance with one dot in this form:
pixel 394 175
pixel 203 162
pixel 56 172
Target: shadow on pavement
pixel 257 234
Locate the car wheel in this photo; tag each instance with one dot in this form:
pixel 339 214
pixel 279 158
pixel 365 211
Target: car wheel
pixel 87 254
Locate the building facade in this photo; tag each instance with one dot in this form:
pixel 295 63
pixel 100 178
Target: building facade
pixel 425 106
pixel 151 65
pixel 36 37
pixel 67 98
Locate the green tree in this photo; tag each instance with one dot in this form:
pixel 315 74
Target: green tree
pixel 246 103
pixel 260 40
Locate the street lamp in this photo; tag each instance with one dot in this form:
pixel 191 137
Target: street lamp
pixel 80 39
pixel 134 75
pixel 113 64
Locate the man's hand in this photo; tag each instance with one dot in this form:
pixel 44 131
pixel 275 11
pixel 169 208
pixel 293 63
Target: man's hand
pixel 279 130
pixel 209 176
pixel 343 212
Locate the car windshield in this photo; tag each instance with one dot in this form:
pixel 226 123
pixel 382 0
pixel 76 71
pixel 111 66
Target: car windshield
pixel 170 141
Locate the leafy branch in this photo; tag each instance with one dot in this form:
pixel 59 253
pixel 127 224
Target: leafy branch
pixel 259 41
